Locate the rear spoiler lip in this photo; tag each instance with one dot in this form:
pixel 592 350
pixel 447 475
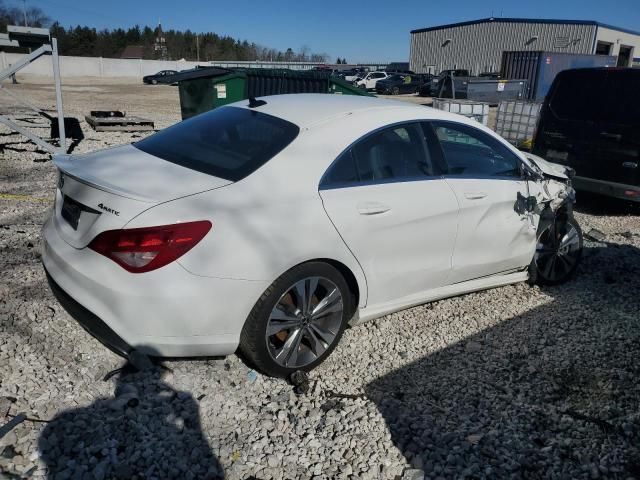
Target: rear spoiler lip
pixel 68 166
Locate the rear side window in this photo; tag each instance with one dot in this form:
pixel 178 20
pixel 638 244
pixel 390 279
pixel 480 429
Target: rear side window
pixel 228 142
pixel 394 153
pixel 343 171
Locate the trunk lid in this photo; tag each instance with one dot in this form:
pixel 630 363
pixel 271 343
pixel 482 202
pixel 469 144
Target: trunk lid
pixel 105 190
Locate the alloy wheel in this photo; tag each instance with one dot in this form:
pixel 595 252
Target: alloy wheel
pixel 558 251
pixel 304 322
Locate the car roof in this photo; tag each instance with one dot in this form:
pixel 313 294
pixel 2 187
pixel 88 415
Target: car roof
pixel 307 109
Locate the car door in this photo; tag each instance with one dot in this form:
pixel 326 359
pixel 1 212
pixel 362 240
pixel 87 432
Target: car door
pixel 486 178
pixel 395 213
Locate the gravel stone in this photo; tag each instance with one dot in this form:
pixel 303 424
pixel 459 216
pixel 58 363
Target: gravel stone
pixel 514 382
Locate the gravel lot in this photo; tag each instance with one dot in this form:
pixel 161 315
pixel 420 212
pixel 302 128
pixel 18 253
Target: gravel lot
pixel 514 382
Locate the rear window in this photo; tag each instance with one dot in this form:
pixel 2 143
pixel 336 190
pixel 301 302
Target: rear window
pixel 228 142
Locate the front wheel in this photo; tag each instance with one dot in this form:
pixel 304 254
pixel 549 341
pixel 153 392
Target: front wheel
pixel 558 250
pixel 298 321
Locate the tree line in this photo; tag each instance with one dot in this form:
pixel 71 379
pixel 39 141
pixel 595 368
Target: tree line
pixel 188 45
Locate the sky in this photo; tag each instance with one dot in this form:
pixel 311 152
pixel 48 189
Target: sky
pixel 369 31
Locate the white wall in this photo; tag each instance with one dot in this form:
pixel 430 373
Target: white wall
pixel 119 67
pixel 95 66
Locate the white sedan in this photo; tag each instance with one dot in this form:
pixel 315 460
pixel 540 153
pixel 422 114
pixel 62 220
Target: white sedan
pixel 269 225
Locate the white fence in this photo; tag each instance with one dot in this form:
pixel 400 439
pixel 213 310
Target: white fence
pixel 121 67
pixel 96 66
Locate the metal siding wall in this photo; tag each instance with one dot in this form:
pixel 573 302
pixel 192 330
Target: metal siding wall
pixel 479 47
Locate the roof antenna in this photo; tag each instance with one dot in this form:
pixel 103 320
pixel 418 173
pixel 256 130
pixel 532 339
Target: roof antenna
pixel 253 103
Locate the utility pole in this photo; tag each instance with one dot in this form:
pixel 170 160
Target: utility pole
pixel 198 47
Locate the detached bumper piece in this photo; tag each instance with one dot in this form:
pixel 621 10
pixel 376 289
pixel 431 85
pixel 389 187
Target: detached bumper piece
pixel 90 322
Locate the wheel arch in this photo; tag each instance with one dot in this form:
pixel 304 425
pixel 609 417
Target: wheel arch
pixel 352 281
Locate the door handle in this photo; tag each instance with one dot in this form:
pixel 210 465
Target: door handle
pixel 474 195
pixel 612 136
pixel 372 208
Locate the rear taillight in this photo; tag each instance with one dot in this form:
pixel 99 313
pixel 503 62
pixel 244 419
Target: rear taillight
pixel 139 250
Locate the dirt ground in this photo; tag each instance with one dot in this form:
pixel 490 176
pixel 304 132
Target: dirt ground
pixel 157 102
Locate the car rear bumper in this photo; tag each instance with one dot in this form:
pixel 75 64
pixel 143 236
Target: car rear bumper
pixel 88 320
pixel 610 189
pixel 168 312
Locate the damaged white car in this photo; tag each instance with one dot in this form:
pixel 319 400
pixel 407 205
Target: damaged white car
pixel 269 225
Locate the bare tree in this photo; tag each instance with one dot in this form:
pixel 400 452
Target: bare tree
pixel 303 54
pixel 34 16
pixel 319 57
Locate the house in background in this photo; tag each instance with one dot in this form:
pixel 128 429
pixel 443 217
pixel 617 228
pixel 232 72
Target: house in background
pixel 133 52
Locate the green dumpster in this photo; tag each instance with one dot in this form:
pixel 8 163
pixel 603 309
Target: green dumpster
pixel 204 89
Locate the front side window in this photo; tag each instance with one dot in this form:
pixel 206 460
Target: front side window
pixel 227 142
pixel 469 152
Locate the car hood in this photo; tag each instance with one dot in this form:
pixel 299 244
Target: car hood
pixel 548 168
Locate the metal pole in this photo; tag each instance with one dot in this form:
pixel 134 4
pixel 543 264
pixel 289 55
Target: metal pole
pixel 453 86
pixel 24 61
pixel 198 47
pixel 56 78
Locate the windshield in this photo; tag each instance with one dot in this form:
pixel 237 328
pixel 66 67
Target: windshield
pixel 228 142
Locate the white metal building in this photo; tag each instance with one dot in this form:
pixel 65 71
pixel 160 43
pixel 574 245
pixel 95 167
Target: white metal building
pixel 478 45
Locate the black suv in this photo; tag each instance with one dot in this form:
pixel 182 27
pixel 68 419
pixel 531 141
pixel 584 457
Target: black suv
pixel 400 83
pixel 590 121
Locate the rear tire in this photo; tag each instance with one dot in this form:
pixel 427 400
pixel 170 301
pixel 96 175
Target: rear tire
pixel 558 250
pixel 395 91
pixel 290 328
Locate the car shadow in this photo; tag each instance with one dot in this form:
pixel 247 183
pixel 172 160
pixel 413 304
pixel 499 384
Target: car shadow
pixel 551 393
pixel 146 430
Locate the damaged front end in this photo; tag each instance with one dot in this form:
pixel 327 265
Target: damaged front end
pixel 559 237
pixel 549 186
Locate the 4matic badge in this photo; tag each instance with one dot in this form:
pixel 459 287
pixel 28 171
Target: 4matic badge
pixel 108 209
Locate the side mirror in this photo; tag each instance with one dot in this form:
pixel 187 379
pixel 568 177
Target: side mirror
pixel 525 204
